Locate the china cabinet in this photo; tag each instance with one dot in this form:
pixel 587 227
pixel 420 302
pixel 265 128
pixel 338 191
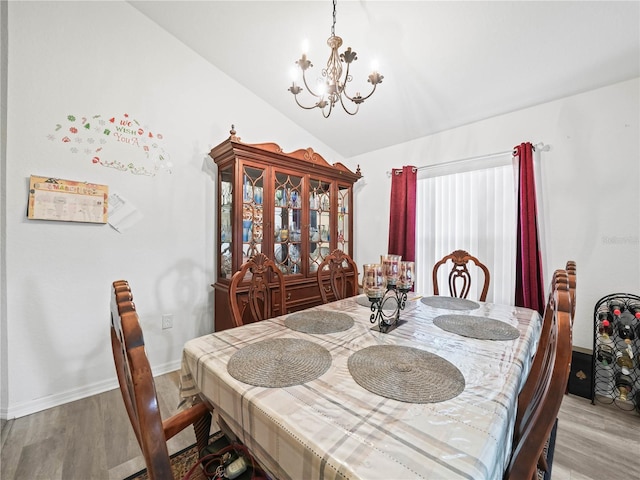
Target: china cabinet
pixel 294 207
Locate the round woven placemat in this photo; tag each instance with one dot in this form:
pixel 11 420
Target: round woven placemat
pixel 405 374
pixel 449 303
pixel 482 328
pixel 319 321
pixel 279 362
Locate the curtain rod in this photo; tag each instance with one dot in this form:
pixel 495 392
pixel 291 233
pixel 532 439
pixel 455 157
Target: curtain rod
pixel 538 146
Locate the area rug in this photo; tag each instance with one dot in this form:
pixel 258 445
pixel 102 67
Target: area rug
pixel 181 462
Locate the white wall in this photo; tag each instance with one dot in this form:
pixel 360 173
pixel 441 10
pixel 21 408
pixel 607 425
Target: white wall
pixel 588 189
pixel 99 58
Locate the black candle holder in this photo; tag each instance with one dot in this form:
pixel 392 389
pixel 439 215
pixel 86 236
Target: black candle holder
pixel 388 322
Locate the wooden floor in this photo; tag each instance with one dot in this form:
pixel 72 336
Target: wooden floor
pixel 91 439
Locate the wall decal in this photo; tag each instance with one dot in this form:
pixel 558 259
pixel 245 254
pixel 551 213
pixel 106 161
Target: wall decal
pixel 67 200
pixel 119 142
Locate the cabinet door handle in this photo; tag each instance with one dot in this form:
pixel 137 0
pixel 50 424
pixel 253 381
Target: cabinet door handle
pixel 288 296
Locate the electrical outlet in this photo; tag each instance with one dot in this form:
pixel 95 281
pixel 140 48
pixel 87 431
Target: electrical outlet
pixel 167 321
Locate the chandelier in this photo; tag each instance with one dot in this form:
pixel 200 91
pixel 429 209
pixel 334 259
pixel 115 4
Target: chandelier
pixel 332 86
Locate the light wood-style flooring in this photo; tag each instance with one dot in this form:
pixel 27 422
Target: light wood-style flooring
pixel 91 439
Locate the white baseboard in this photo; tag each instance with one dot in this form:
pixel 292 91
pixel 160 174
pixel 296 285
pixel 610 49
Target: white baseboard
pixel 33 406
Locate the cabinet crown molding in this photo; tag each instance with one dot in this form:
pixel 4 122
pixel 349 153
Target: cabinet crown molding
pixel 306 155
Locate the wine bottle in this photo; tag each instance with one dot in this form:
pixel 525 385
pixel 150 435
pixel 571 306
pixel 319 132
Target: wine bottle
pixel 616 307
pixel 605 355
pixel 634 308
pixel 624 359
pixel 604 313
pixel 604 327
pixel 625 332
pixel 624 384
pixel 605 321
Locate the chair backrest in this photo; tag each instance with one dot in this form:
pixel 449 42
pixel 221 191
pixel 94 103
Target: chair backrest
pixel 137 385
pixel 122 291
pixel 265 294
pixel 572 273
pixel 541 397
pixel 337 277
pixel 460 277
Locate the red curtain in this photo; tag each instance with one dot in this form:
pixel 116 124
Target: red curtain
pixel 402 221
pixel 529 281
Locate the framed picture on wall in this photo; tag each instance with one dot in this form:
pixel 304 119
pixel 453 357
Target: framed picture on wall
pixel 67 200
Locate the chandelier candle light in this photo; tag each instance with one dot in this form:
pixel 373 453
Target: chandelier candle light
pixel 333 84
pixel 388 281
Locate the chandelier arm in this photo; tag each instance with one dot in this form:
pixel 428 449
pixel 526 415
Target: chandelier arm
pixel 344 107
pixel 373 90
pixel 347 79
pixel 302 106
pixel 304 80
pixel 363 98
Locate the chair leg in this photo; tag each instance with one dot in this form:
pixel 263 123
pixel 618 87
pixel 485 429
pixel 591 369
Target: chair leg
pixel 202 428
pixel 542 463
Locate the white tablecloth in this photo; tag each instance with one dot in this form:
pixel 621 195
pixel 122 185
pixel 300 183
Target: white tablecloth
pixel 331 427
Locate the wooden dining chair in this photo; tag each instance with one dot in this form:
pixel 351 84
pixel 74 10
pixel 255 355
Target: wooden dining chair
pixel 119 285
pixel 559 282
pixel 139 393
pixel 122 291
pixel 540 399
pixel 123 296
pixel 257 291
pixel 459 277
pixel 337 277
pixel 571 269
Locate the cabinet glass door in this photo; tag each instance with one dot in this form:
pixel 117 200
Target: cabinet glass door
pixel 287 225
pixel 319 222
pixel 225 201
pixel 252 211
pixel 344 202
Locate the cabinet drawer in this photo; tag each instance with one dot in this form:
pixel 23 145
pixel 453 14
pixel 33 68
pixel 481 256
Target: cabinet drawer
pixel 300 296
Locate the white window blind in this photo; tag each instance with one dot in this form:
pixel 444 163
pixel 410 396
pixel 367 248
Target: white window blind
pixel 473 210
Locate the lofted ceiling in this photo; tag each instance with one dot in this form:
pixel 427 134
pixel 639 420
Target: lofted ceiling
pixel 445 63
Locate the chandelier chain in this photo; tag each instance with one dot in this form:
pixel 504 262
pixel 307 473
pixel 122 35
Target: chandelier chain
pixel 333 26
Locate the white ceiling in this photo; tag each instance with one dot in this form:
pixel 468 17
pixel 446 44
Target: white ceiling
pixel 445 63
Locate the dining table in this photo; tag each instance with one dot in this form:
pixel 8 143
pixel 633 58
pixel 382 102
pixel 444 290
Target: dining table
pixel 322 393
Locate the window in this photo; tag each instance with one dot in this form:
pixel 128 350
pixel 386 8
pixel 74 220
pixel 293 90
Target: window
pixel 470 207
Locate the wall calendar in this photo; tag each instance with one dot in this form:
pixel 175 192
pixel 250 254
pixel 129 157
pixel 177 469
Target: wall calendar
pixel 67 200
